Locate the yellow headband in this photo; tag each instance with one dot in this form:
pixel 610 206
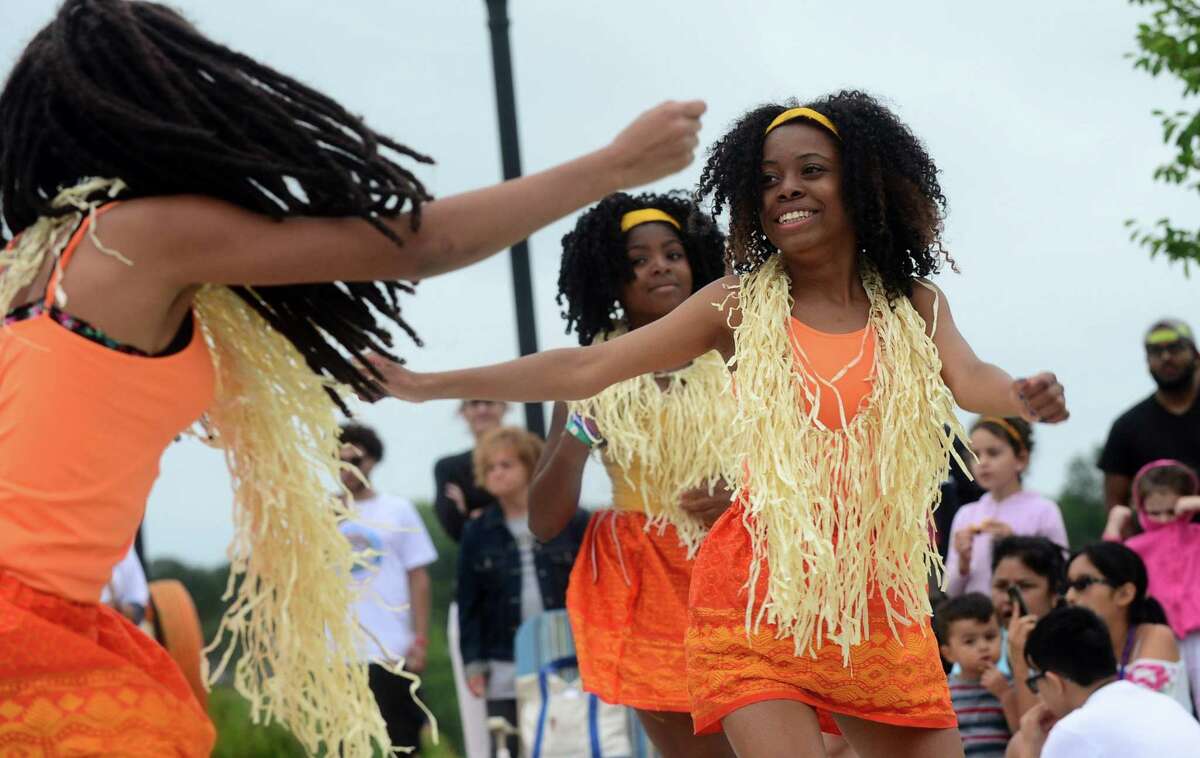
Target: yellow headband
pixel 1167 335
pixel 1008 428
pixel 808 113
pixel 645 216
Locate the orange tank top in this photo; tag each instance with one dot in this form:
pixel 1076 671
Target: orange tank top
pixel 846 361
pixel 82 429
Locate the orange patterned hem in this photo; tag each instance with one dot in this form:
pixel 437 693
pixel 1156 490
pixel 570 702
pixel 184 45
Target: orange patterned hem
pixel 627 601
pixel 890 678
pixel 78 679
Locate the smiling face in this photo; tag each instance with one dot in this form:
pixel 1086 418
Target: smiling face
pixel 1159 505
pixel 662 276
pixel 801 205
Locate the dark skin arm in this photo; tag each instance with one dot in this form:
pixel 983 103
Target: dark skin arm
pixel 1117 490
pixel 554 493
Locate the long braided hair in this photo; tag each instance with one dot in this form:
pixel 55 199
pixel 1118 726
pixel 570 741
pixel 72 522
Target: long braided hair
pixel 132 90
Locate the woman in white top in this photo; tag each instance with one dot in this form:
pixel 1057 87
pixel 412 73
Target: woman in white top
pixel 1110 580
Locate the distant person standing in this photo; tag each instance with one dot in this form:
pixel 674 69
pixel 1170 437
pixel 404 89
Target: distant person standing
pixel 393 607
pixel 457 498
pixel 1164 425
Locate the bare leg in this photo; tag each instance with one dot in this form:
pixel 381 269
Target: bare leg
pixel 774 728
pixel 870 739
pixel 837 747
pixel 672 734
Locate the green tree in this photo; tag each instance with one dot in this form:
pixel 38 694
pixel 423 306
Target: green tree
pixel 1170 41
pixel 1082 499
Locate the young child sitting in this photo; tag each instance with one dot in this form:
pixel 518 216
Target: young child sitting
pixel 969 635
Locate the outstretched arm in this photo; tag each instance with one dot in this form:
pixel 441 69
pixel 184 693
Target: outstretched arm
pixel 978 386
pixel 211 241
pixel 689 331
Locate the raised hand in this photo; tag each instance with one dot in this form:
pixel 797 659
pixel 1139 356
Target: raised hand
pixel 1041 398
pixel 658 143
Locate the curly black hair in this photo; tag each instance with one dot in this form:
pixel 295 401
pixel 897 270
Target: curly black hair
pixel 890 188
pixel 594 264
pixel 113 88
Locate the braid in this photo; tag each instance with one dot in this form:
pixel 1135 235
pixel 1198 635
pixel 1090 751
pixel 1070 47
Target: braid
pixel 594 264
pixel 132 90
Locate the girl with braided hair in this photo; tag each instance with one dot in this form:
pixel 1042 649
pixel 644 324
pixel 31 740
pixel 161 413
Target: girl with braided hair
pixel 628 262
pixel 252 237
pixel 809 608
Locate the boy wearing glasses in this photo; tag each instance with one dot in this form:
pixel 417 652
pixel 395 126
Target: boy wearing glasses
pixel 1164 425
pixel 1084 710
pixel 969 636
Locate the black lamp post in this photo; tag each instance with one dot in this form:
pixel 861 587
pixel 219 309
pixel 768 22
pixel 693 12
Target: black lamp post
pixel 510 152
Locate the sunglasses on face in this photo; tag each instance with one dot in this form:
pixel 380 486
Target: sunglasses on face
pixel 1032 681
pixel 1168 350
pixel 354 460
pixel 1081 584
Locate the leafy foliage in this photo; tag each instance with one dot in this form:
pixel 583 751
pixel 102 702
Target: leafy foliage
pixel 1170 42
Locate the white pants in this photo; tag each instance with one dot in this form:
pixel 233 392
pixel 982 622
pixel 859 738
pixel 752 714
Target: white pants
pixel 1189 646
pixel 471 710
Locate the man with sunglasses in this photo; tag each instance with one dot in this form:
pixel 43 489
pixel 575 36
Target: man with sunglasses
pixel 1085 711
pixel 1164 425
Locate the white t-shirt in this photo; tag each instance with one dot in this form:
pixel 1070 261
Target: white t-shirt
pixel 391 526
pixel 128 583
pixel 1123 720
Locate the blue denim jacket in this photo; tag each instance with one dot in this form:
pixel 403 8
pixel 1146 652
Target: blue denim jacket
pixel 489 583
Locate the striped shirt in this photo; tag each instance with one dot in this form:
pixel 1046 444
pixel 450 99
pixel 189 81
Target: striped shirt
pixel 980 719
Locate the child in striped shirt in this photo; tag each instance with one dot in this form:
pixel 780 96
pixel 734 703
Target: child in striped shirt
pixel 983 699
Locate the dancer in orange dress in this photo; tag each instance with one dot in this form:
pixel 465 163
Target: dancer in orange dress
pixel 628 262
pixel 260 233
pixel 809 598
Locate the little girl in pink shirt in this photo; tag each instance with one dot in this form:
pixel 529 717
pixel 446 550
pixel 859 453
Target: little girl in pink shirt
pixel 1002 448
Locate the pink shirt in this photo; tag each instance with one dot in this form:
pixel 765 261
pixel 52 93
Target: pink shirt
pixel 1171 552
pixel 1026 513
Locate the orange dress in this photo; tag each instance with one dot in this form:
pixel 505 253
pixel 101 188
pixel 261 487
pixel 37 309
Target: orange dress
pixel 888 679
pixel 82 428
pixel 627 600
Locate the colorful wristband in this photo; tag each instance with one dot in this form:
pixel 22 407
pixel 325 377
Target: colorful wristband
pixel 584 430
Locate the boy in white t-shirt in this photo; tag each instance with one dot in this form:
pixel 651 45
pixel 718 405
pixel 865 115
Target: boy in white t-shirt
pixel 1085 711
pixel 393 606
pixel 127 590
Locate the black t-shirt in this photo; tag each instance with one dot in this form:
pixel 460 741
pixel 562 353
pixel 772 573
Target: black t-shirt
pixel 1147 432
pixel 457 469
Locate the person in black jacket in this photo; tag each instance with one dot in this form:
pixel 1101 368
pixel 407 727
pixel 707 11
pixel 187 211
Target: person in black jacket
pixel 457 498
pixel 506 575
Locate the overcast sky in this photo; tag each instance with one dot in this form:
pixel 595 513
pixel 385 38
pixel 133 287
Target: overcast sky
pixel 1041 128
